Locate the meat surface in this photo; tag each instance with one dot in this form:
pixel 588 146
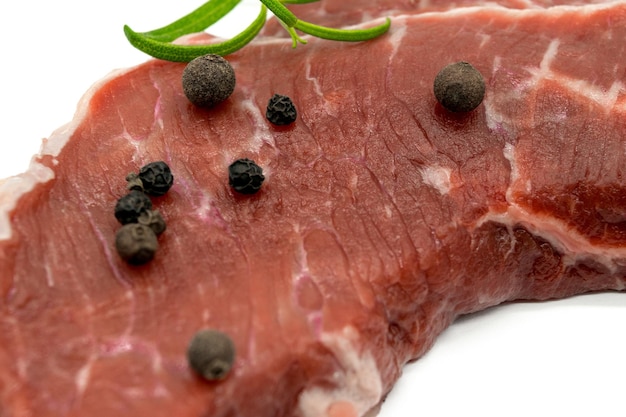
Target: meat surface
pixel 383 218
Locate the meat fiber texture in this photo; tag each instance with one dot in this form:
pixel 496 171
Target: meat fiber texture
pixel 382 218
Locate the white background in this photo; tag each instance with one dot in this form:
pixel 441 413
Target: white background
pixel 564 358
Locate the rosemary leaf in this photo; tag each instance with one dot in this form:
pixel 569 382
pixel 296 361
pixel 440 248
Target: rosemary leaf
pixel 196 21
pixel 185 53
pixel 345 35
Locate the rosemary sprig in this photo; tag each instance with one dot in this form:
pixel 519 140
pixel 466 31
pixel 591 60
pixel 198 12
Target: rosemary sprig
pixel 290 21
pixel 343 35
pixel 196 21
pixel 185 53
pixel 157 43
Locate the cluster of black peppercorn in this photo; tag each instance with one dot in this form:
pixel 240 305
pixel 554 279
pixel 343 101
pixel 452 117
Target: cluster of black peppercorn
pixel 210 79
pixel 136 241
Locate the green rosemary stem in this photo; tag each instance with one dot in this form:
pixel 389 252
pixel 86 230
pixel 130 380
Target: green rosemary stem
pixel 157 43
pixel 185 53
pixel 290 22
pixel 345 35
pixel 281 12
pixel 196 21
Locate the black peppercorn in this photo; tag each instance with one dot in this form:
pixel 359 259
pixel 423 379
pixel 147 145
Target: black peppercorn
pixel 459 87
pixel 211 354
pixel 280 110
pixel 245 176
pixel 156 178
pixel 152 219
pixel 129 207
pixel 208 80
pixel 136 243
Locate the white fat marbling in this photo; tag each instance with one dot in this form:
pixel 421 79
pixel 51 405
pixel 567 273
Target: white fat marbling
pixel 437 177
pixel 358 379
pixel 398 31
pixel 561 236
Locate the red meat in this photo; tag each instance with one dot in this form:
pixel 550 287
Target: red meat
pixel 382 217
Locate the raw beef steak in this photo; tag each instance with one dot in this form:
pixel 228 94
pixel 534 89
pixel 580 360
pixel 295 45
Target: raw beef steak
pixel 382 217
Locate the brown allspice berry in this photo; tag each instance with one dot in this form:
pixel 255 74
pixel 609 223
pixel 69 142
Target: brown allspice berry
pixel 459 87
pixel 211 354
pixel 208 80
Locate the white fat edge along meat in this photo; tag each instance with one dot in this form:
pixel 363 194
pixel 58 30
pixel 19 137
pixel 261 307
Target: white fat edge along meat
pixel 53 135
pixel 14 187
pixel 359 386
pixel 570 243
